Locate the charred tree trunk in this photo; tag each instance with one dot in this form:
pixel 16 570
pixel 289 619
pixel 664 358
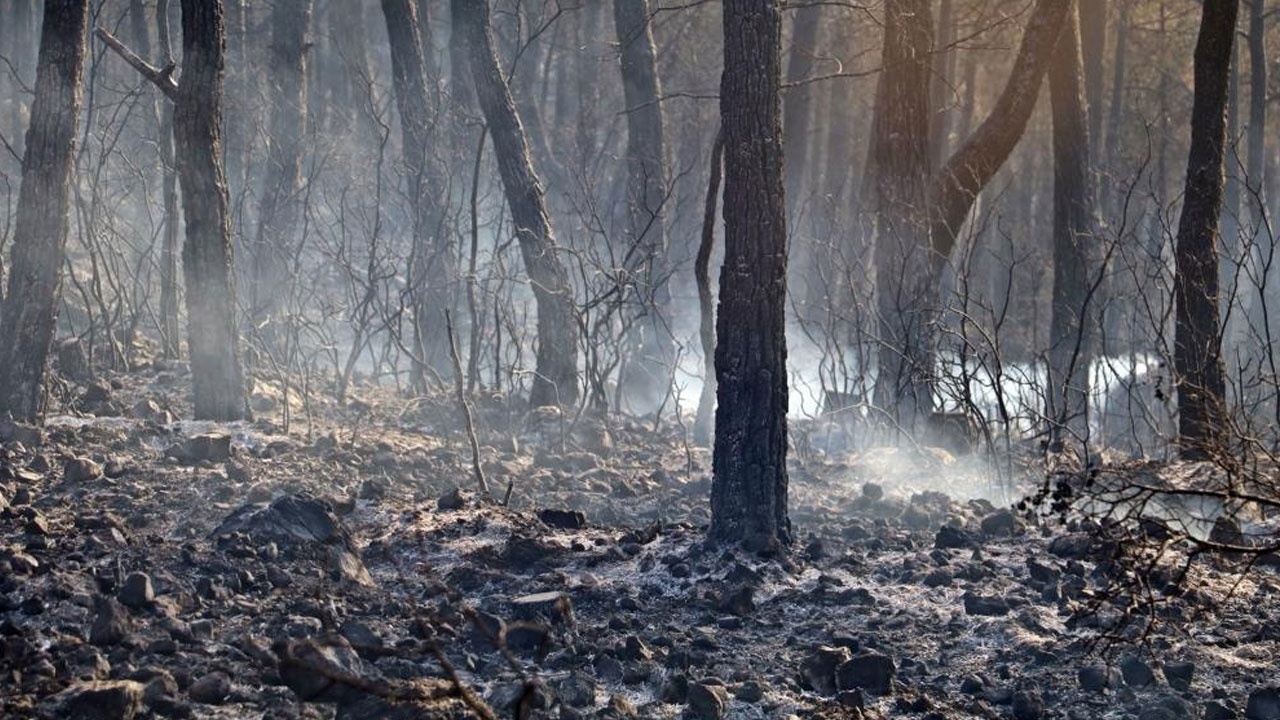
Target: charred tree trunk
pixel 646 196
pixel 280 213
pixel 1093 50
pixel 1070 327
pixel 797 105
pixel 556 379
pixel 217 379
pixel 30 310
pixel 749 484
pixel 432 257
pixel 170 330
pixel 906 295
pixel 1197 343
pixel 1262 246
pixel 944 70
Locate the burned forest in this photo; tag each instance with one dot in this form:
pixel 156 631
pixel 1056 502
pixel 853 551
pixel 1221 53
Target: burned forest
pixel 685 359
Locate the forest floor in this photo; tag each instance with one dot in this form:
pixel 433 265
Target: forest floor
pixel 152 568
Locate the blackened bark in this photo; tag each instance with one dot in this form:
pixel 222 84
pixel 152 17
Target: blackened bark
pixel 749 485
pixel 944 70
pixel 1197 342
pixel 214 345
pixel 30 309
pixel 556 379
pixel 646 195
pixel 1115 113
pixel 280 213
pixel 433 257
pixel 706 298
pixel 1070 331
pixel 906 293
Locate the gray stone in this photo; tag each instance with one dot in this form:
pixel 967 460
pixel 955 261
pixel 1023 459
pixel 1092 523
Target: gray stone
pixel 1264 704
pixel 818 670
pixel 1001 522
pixel 80 470
pixel 869 671
pixel 211 689
pixel 137 591
pixel 455 499
pixel 110 623
pixel 1137 673
pixel 985 606
pixel 1179 674
pixel 1028 704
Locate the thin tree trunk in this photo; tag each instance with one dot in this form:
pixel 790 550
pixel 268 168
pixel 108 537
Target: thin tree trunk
pixel 1197 344
pixel 30 310
pixel 433 252
pixel 944 67
pixel 797 104
pixel 280 212
pixel 906 294
pixel 1093 49
pixel 214 345
pixel 706 299
pixel 556 378
pixel 170 330
pixel 646 197
pixel 1070 326
pixel 749 461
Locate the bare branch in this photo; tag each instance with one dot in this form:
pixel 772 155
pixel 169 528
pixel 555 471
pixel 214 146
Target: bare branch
pixel 160 77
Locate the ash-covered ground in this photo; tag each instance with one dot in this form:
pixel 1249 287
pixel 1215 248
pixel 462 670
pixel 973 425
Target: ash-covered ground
pixel 153 568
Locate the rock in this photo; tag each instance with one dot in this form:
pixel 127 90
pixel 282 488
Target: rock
pixel 1179 674
pixel 110 623
pixel 1042 573
pixel 1028 704
pixel 16 432
pixel 872 672
pixel 210 447
pixel 1264 704
pixel 211 689
pixel 1214 710
pixel 301 526
pixel 1136 672
pixel 707 702
pixel 101 700
pixel 455 499
pixel 563 519
pixel 308 668
pixel 818 670
pixel 1074 546
pixel 739 602
pixel 137 591
pixel 80 469
pixel 1097 678
pixel 1001 522
pixel 981 605
pixel 873 492
pixel 149 411
pixel 577 690
pixel 951 538
pixel 941 577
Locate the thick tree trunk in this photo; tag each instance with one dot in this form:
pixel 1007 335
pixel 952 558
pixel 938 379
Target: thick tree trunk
pixel 749 461
pixel 433 258
pixel 1070 327
pixel 646 199
pixel 280 212
pixel 556 378
pixel 29 312
pixel 214 345
pixel 944 71
pixel 906 294
pixel 1197 343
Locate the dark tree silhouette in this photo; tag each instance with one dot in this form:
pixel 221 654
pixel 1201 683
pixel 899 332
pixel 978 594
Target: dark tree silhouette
pixel 1070 332
pixel 749 486
pixel 30 309
pixel 1197 341
pixel 556 378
